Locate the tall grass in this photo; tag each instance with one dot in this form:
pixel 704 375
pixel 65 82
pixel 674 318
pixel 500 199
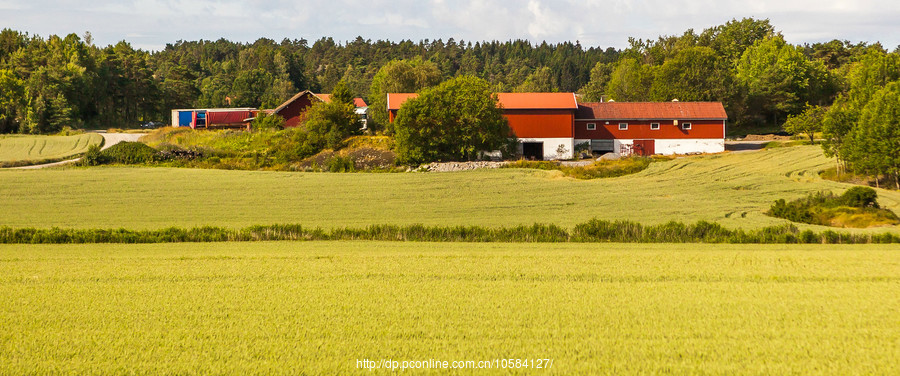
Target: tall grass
pixel 314 308
pixel 593 231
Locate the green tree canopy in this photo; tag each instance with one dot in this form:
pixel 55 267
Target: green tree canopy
pixel 778 79
pixel 451 122
pixel 341 93
pixel 331 122
pixel 399 76
pixel 875 141
pixel 808 122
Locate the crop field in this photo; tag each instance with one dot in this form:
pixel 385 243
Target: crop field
pixel 40 148
pixel 318 307
pixel 733 189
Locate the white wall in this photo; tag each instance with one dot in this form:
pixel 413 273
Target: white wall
pixel 552 145
pixel 690 145
pixel 678 146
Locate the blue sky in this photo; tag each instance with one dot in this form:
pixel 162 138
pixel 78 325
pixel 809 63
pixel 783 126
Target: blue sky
pixel 150 24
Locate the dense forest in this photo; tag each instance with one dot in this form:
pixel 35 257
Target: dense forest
pixel 50 83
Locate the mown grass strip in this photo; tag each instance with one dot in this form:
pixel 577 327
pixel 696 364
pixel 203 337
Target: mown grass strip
pixel 590 232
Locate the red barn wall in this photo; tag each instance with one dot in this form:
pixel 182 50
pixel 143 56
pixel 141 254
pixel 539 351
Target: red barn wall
pixel 541 123
pixel 293 112
pixel 640 129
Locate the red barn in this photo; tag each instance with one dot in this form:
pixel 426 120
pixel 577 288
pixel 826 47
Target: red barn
pixel 543 122
pixel 292 110
pixel 648 128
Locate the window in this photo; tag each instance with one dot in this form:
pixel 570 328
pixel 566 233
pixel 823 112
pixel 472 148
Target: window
pixel 686 126
pixel 623 126
pixel 654 126
pixel 592 126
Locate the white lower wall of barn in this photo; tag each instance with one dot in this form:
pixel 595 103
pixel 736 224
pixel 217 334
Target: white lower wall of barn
pixel 675 146
pixel 688 146
pixel 554 148
pixel 666 146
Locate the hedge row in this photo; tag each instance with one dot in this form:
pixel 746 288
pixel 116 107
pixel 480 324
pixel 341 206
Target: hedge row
pixel 592 231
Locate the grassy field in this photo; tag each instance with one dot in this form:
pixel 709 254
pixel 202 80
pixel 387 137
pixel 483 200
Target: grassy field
pixel 317 307
pixel 733 189
pixel 17 148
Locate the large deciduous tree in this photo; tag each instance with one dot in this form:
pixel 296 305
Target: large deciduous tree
pixel 875 140
pixel 778 80
pixel 399 76
pixel 451 122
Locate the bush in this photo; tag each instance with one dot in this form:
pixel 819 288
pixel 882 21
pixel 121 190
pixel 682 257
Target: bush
pixel 92 157
pixel 129 153
pixel 267 122
pixel 860 197
pixel 338 163
pixel 858 208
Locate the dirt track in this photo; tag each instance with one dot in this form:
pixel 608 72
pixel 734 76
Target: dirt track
pixel 109 139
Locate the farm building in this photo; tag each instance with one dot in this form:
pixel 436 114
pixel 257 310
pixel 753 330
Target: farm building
pixel 648 128
pixel 213 117
pixel 552 125
pixel 543 122
pixel 291 110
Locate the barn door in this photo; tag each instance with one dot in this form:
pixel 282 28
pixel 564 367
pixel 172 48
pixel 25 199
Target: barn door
pixel 644 147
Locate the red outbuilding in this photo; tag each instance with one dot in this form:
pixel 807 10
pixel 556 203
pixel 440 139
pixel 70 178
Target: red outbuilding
pixel 648 128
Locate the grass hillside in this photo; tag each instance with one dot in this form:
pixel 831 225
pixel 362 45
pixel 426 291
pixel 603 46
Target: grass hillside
pixel 17 149
pixel 734 189
pixel 318 307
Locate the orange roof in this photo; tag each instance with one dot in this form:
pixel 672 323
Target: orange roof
pixel 358 102
pixel 509 101
pixel 651 110
pixel 538 101
pixel 395 100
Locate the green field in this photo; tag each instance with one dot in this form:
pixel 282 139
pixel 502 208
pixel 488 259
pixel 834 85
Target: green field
pixel 733 189
pixel 18 148
pixel 317 307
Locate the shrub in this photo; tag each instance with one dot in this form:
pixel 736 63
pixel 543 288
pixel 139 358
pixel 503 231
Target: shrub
pixel 858 207
pixel 129 153
pixel 860 197
pixel 267 122
pixel 338 163
pixel 92 157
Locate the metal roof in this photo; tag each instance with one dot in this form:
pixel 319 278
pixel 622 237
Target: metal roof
pixel 538 101
pixel 294 98
pixel 509 101
pixel 395 100
pixel 651 111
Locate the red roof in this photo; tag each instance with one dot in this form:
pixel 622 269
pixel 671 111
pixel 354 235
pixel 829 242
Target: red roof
pixel 294 98
pixel 651 111
pixel 509 101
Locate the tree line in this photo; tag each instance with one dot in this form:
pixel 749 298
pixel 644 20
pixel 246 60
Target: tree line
pixel 49 83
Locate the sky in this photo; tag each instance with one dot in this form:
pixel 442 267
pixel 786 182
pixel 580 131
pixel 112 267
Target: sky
pixel 151 24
